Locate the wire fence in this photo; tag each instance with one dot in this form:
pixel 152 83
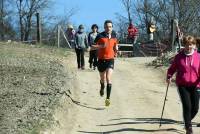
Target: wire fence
pixel 54 37
pixel 151 48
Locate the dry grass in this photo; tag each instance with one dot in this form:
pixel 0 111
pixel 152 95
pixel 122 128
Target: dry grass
pixel 32 79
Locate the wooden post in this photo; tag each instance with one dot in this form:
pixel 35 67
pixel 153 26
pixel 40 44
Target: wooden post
pixel 173 35
pixel 65 37
pixel 39 30
pixel 58 36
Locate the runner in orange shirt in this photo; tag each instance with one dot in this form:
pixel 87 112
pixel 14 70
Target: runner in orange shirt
pixel 106 43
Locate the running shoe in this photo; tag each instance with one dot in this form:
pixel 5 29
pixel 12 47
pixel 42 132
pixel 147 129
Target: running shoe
pixel 107 102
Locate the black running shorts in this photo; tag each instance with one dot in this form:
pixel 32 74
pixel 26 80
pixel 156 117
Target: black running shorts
pixel 103 65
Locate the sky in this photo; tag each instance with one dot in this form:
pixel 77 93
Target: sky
pixel 90 11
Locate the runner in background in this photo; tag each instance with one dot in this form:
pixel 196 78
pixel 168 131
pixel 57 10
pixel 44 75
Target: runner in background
pixel 81 44
pixel 132 33
pixel 93 54
pixel 70 33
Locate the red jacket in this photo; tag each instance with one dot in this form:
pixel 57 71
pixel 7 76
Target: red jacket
pixel 109 51
pixel 132 31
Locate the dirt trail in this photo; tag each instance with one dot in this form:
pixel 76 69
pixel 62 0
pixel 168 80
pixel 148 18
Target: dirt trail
pixel 136 102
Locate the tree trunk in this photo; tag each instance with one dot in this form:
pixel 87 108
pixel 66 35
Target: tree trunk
pixel 129 10
pixel 146 15
pixel 2 20
pixel 21 28
pixel 21 21
pixel 28 29
pixel 38 28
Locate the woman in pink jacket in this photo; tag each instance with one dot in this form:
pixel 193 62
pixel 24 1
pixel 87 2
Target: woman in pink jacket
pixel 187 67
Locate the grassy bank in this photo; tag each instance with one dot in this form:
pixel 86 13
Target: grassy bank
pixel 32 79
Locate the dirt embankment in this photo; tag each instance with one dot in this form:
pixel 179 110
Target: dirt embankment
pixel 33 81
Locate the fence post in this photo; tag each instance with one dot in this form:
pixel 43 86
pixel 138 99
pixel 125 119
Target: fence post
pixel 39 30
pixel 65 37
pixel 58 36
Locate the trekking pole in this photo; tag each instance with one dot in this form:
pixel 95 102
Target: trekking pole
pixel 164 105
pixel 198 125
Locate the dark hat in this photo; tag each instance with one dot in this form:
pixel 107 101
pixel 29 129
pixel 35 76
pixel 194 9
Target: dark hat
pixel 94 26
pixel 81 26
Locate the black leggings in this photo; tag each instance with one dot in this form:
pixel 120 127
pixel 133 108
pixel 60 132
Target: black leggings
pixel 93 58
pixel 190 102
pixel 80 57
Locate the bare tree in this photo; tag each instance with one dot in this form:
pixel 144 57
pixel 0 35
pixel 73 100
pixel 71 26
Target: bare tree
pixel 187 12
pixel 51 23
pixel 122 25
pixel 2 19
pixel 6 12
pixel 21 15
pixel 128 6
pixel 163 11
pixel 26 10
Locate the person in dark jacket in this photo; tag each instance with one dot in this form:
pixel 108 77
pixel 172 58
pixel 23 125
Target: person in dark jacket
pixel 93 54
pixel 81 43
pixel 198 44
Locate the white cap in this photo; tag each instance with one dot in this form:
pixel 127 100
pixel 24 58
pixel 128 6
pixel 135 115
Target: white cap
pixel 70 26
